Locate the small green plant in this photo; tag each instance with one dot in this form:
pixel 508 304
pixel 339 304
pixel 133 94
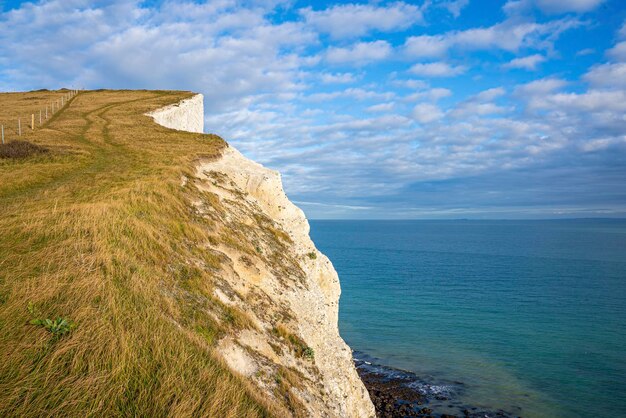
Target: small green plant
pixel 308 353
pixel 312 255
pixel 57 327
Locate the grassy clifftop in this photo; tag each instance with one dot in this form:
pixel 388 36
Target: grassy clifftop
pixel 97 231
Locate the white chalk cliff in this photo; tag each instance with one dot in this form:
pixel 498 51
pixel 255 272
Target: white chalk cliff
pixel 291 299
pixel 187 115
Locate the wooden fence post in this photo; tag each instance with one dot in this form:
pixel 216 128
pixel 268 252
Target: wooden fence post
pixel 19 127
pixel 32 121
pixel 39 117
pixel 3 134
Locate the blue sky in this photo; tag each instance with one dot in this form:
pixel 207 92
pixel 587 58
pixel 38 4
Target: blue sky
pixel 431 109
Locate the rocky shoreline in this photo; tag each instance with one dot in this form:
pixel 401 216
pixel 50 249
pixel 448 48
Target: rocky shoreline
pixel 399 393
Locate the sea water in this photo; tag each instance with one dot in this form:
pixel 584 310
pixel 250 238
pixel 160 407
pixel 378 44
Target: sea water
pixel 529 316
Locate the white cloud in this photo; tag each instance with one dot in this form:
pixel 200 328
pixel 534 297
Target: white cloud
pixel 363 125
pixel 359 53
pixel 590 101
pixel 579 116
pixel 560 6
pixel 337 78
pixel 473 109
pixel 607 75
pixel 353 93
pixel 411 83
pixel 430 94
pixel 426 46
pixel 540 87
pixel 436 69
pixel 551 6
pixel 326 205
pixel 618 52
pixel 357 20
pixel 426 113
pixel 480 104
pixel 510 35
pixel 455 6
pixel 382 107
pixel 601 143
pixel 527 63
pixel 584 52
pixel 491 94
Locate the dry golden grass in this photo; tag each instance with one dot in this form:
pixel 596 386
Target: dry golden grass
pixel 23 106
pixel 99 231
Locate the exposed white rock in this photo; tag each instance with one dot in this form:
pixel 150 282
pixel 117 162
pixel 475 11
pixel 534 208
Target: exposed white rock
pixel 316 307
pixel 331 386
pixel 186 115
pixel 236 357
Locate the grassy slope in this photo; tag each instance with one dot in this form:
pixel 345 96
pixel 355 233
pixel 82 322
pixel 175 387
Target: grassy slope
pixel 100 232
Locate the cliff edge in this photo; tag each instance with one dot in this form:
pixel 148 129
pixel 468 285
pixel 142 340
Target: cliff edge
pixel 283 291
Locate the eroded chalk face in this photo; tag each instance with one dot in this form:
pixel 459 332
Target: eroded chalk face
pixel 331 386
pixel 187 115
pixel 287 291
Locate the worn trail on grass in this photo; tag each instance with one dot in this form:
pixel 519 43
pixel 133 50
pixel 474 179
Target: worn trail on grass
pixel 90 134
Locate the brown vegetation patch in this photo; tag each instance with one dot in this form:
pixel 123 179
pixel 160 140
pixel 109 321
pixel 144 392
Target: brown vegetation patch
pixel 20 149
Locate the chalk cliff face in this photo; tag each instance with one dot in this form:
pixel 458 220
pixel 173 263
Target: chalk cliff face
pixel 187 115
pixel 289 290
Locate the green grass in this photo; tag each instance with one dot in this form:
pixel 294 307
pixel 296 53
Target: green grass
pixel 98 234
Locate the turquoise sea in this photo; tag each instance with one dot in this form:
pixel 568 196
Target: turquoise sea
pixel 530 316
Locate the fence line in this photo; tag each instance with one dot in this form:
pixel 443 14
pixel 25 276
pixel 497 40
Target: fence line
pixel 43 115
